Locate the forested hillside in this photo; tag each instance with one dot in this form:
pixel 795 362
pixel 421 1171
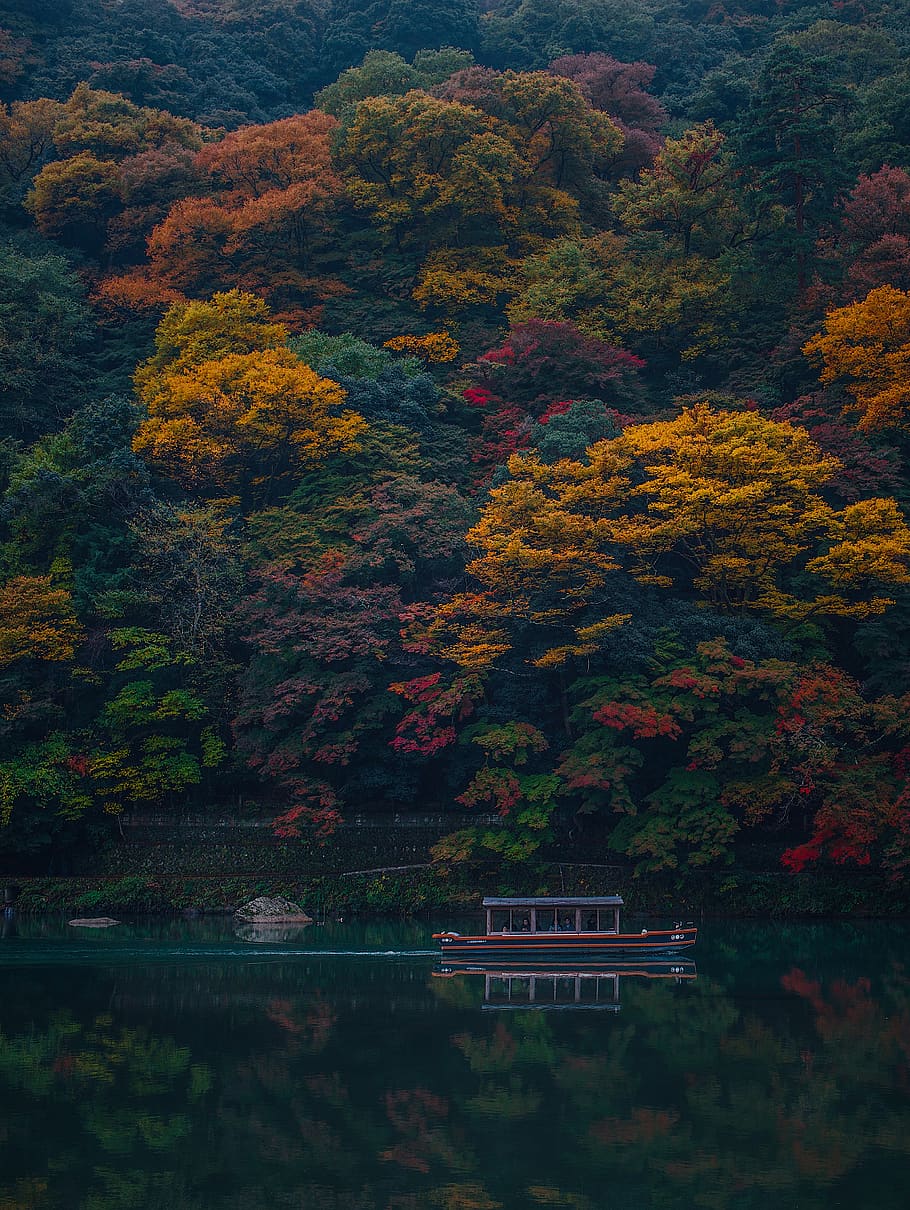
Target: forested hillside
pixel 489 406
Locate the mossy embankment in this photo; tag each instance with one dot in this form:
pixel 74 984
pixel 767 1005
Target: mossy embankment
pixel 216 864
pixel 424 889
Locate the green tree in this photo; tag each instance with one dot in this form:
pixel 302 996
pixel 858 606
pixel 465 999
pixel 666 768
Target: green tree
pixel 786 141
pixel 690 194
pixel 46 330
pixel 152 738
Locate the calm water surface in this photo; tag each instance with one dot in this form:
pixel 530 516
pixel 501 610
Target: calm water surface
pixel 179 1065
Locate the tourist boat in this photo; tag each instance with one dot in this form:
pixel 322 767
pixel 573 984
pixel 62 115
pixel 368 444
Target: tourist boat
pixel 561 928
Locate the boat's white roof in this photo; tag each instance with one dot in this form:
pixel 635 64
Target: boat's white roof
pixel 553 901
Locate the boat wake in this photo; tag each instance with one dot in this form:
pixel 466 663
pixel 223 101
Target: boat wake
pixel 64 953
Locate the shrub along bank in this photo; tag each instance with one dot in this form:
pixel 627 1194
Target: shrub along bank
pixel 418 889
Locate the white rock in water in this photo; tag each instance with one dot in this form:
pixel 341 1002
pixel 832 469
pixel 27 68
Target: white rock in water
pixel 277 911
pixel 93 922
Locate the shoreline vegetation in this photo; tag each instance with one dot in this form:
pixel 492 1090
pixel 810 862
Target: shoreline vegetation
pixel 421 889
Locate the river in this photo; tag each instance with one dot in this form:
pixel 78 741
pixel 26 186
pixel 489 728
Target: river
pixel 177 1064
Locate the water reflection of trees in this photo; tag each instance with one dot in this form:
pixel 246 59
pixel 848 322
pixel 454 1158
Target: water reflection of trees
pixel 114 1099
pixel 695 1101
pixel 380 1090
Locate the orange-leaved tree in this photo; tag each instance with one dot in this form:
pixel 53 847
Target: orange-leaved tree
pixel 26 141
pixel 259 216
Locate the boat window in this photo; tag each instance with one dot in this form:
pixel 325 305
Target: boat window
pixel 501 922
pixel 566 922
pixel 501 989
pixel 607 920
pixel 566 990
pixel 589 920
pixel 546 920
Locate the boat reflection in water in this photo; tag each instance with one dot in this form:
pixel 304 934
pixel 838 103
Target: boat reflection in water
pixel 565 986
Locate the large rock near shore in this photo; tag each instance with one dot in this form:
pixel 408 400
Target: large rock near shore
pixel 273 911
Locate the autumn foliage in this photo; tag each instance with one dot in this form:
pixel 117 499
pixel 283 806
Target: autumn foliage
pixel 389 420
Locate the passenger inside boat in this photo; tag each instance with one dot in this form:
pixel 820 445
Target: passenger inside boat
pixel 548 917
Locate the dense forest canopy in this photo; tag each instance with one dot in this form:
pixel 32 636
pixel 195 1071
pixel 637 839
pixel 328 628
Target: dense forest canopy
pixel 500 406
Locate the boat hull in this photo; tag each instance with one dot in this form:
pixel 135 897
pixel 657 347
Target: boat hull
pixel 547 947
pixel 666 966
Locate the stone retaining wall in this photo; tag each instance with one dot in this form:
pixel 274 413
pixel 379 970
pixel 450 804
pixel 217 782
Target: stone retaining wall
pixel 157 844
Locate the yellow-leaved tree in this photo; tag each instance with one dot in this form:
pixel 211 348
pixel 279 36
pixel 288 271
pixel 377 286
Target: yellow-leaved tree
pixel 37 622
pixel 476 175
pixel 867 346
pixel 228 404
pixel 733 500
pixel 726 505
